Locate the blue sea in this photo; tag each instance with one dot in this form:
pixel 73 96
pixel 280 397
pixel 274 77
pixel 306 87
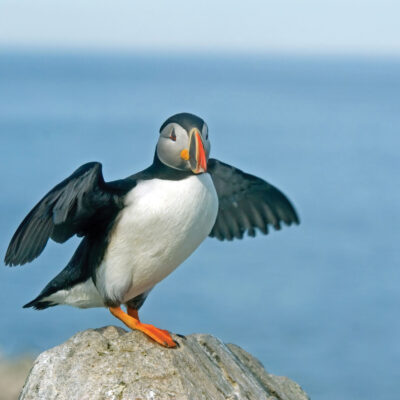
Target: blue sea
pixel 319 302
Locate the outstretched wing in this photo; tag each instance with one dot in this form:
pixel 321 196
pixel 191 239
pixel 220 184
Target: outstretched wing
pixel 246 202
pixel 77 205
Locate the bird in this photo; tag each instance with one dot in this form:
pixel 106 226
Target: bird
pixel 136 231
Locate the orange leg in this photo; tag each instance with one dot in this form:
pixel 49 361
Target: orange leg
pixel 133 313
pixel 131 320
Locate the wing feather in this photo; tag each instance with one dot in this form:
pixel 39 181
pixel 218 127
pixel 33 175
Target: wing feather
pixel 72 207
pixel 247 203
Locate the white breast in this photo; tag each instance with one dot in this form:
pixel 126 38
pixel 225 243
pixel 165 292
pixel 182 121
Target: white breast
pixel 162 223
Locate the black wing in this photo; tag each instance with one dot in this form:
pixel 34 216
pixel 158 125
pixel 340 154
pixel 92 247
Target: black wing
pixel 246 202
pixel 77 205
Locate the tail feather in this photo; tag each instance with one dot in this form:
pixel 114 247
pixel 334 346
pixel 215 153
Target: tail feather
pixel 76 271
pixel 39 304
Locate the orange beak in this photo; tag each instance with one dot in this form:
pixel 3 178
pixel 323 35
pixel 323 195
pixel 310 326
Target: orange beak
pixel 201 154
pixel 197 155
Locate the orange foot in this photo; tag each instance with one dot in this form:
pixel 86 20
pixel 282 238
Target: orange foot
pixel 131 320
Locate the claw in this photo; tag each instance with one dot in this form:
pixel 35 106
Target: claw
pixel 181 336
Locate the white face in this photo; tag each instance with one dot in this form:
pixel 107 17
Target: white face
pixel 173 146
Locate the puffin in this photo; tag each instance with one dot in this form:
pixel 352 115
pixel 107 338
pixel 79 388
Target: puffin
pixel 136 231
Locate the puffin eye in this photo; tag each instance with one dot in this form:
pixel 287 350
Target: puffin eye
pixel 172 136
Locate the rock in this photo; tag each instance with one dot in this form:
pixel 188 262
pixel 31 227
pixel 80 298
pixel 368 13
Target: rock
pixel 110 363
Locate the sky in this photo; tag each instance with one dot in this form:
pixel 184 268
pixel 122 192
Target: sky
pixel 261 26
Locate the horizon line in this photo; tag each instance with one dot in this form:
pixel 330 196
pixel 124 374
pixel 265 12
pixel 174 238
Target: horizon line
pixel 226 52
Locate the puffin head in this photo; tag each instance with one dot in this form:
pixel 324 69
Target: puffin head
pixel 183 143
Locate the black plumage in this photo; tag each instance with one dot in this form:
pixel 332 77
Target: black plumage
pixel 81 204
pixel 246 202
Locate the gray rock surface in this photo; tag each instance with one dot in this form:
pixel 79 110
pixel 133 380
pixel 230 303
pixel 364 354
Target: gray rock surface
pixel 110 363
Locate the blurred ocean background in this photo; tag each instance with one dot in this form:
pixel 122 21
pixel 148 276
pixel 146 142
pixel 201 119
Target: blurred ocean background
pixel 318 303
